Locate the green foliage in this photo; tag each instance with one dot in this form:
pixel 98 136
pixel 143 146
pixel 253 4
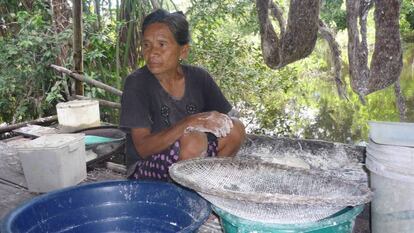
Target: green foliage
pixel 27 84
pixel 299 100
pixel 407 12
pixel 100 62
pixel 333 14
pixel 409 17
pixel 230 50
pixel 99 53
pixel 407 20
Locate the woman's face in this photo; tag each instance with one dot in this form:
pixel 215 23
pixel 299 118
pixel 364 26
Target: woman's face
pixel 161 51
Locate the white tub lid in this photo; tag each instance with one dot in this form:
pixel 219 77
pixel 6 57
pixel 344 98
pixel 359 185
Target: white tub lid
pixel 51 141
pixel 77 103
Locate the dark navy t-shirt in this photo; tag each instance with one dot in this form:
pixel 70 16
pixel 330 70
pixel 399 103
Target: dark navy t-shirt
pixel 145 103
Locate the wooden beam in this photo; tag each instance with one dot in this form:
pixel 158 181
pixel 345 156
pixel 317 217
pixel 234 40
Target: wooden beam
pixel 87 80
pixel 39 121
pixel 77 43
pixel 101 102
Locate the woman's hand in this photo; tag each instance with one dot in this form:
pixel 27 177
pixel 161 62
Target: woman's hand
pixel 213 122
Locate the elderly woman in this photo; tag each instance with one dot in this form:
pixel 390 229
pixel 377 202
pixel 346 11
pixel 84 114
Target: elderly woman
pixel 173 111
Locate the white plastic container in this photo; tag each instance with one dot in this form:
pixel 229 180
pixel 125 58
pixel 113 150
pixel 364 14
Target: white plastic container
pixel 391 166
pixel 392 133
pixel 78 114
pixel 53 161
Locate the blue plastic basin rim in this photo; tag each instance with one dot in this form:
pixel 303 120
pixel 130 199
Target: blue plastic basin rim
pixel 5 227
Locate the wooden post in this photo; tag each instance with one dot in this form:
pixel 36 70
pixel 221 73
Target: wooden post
pixel 77 43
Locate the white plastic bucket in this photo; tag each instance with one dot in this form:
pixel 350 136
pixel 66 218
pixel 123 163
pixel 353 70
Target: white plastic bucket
pixel 391 165
pixel 392 133
pixel 392 157
pixel 78 114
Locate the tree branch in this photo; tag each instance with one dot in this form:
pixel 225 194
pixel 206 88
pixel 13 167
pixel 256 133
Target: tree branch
pixel 155 4
pixel 277 13
pixel 400 100
pixel 336 56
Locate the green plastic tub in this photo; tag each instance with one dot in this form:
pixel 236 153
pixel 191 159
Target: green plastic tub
pixel 341 222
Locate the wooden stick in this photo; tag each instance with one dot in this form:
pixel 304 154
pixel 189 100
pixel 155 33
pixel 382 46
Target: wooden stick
pixel 39 121
pixel 101 102
pixel 87 80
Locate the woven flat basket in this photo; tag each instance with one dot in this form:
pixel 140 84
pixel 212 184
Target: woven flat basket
pixel 268 192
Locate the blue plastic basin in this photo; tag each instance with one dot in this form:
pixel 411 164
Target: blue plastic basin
pixel 111 206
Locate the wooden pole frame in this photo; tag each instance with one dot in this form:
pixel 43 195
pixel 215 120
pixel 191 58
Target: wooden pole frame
pixel 44 120
pixel 105 103
pixel 93 82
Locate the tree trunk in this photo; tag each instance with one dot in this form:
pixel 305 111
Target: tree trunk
pixel 61 14
pixel 128 51
pixel 77 43
pixel 297 40
pixel 386 62
pixel 129 36
pixel 110 10
pixel 98 14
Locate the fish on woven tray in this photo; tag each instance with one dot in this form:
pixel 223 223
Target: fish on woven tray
pixel 268 192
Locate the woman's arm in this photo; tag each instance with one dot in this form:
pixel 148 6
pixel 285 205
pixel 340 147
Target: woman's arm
pixel 147 143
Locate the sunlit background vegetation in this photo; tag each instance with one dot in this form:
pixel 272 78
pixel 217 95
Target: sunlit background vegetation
pixel 299 100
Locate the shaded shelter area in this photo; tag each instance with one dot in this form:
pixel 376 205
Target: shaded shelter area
pixel 335 158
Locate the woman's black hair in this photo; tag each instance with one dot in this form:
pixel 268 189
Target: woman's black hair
pixel 176 22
